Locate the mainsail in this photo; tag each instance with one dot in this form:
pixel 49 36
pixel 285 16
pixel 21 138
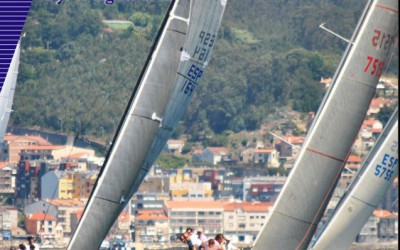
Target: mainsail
pixel 7 92
pixel 366 191
pixel 306 193
pixel 182 51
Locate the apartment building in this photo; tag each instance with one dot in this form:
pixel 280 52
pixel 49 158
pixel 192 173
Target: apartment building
pixel 243 221
pixel 205 214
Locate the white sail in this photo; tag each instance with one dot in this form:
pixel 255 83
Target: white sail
pixel 181 53
pixel 7 92
pixel 364 194
pixel 300 205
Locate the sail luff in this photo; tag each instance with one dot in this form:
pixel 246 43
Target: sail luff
pixel 365 192
pixel 7 91
pixel 306 193
pixel 139 139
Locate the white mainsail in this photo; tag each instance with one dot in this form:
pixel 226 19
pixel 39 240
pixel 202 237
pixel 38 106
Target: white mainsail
pixel 173 71
pixel 7 92
pixel 301 203
pixel 366 191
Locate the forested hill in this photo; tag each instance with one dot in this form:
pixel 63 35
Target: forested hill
pixel 77 73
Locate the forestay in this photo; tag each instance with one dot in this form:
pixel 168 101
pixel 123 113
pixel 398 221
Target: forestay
pixel 366 191
pixel 182 52
pixel 302 201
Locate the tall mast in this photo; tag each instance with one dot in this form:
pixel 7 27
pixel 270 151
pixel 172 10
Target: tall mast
pixel 366 191
pixel 307 191
pixel 172 72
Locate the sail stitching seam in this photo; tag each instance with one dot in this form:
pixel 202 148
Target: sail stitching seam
pixel 177 31
pixel 294 218
pixel 325 155
pixel 369 204
pixel 386 8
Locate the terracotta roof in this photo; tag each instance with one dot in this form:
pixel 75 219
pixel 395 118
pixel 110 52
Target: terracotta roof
pixel 42 147
pixel 248 206
pixel 218 150
pixel 354 158
pixel 77 155
pixel 294 139
pixel 265 151
pixel 379 102
pixel 67 203
pixel 384 214
pixel 326 80
pixel 195 204
pixel 40 216
pixel 370 122
pixel 151 215
pixel 3 164
pixel 40 140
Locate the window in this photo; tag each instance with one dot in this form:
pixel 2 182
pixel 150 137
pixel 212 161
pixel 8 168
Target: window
pixel 262 217
pixel 201 213
pixel 251 217
pixel 241 238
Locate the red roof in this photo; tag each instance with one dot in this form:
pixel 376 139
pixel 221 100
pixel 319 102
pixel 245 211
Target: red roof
pixel 40 217
pixel 151 215
pixel 326 81
pixel 384 214
pixel 66 203
pixel 354 158
pixel 42 147
pixel 40 140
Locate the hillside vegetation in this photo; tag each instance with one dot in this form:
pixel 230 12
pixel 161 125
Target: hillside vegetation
pixel 77 73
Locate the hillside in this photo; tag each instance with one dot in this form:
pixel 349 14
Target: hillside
pixel 77 72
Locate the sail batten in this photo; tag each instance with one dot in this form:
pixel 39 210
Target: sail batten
pixel 146 125
pixel 301 203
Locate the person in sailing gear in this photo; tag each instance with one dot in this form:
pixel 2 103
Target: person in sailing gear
pixel 198 238
pixel 220 242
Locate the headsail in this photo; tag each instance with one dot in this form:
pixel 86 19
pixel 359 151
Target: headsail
pixel 366 191
pixel 153 112
pixel 7 92
pixel 302 201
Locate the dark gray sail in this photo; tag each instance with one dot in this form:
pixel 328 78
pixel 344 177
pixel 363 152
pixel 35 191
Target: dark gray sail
pixel 149 119
pixel 365 192
pixel 7 91
pixel 306 193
